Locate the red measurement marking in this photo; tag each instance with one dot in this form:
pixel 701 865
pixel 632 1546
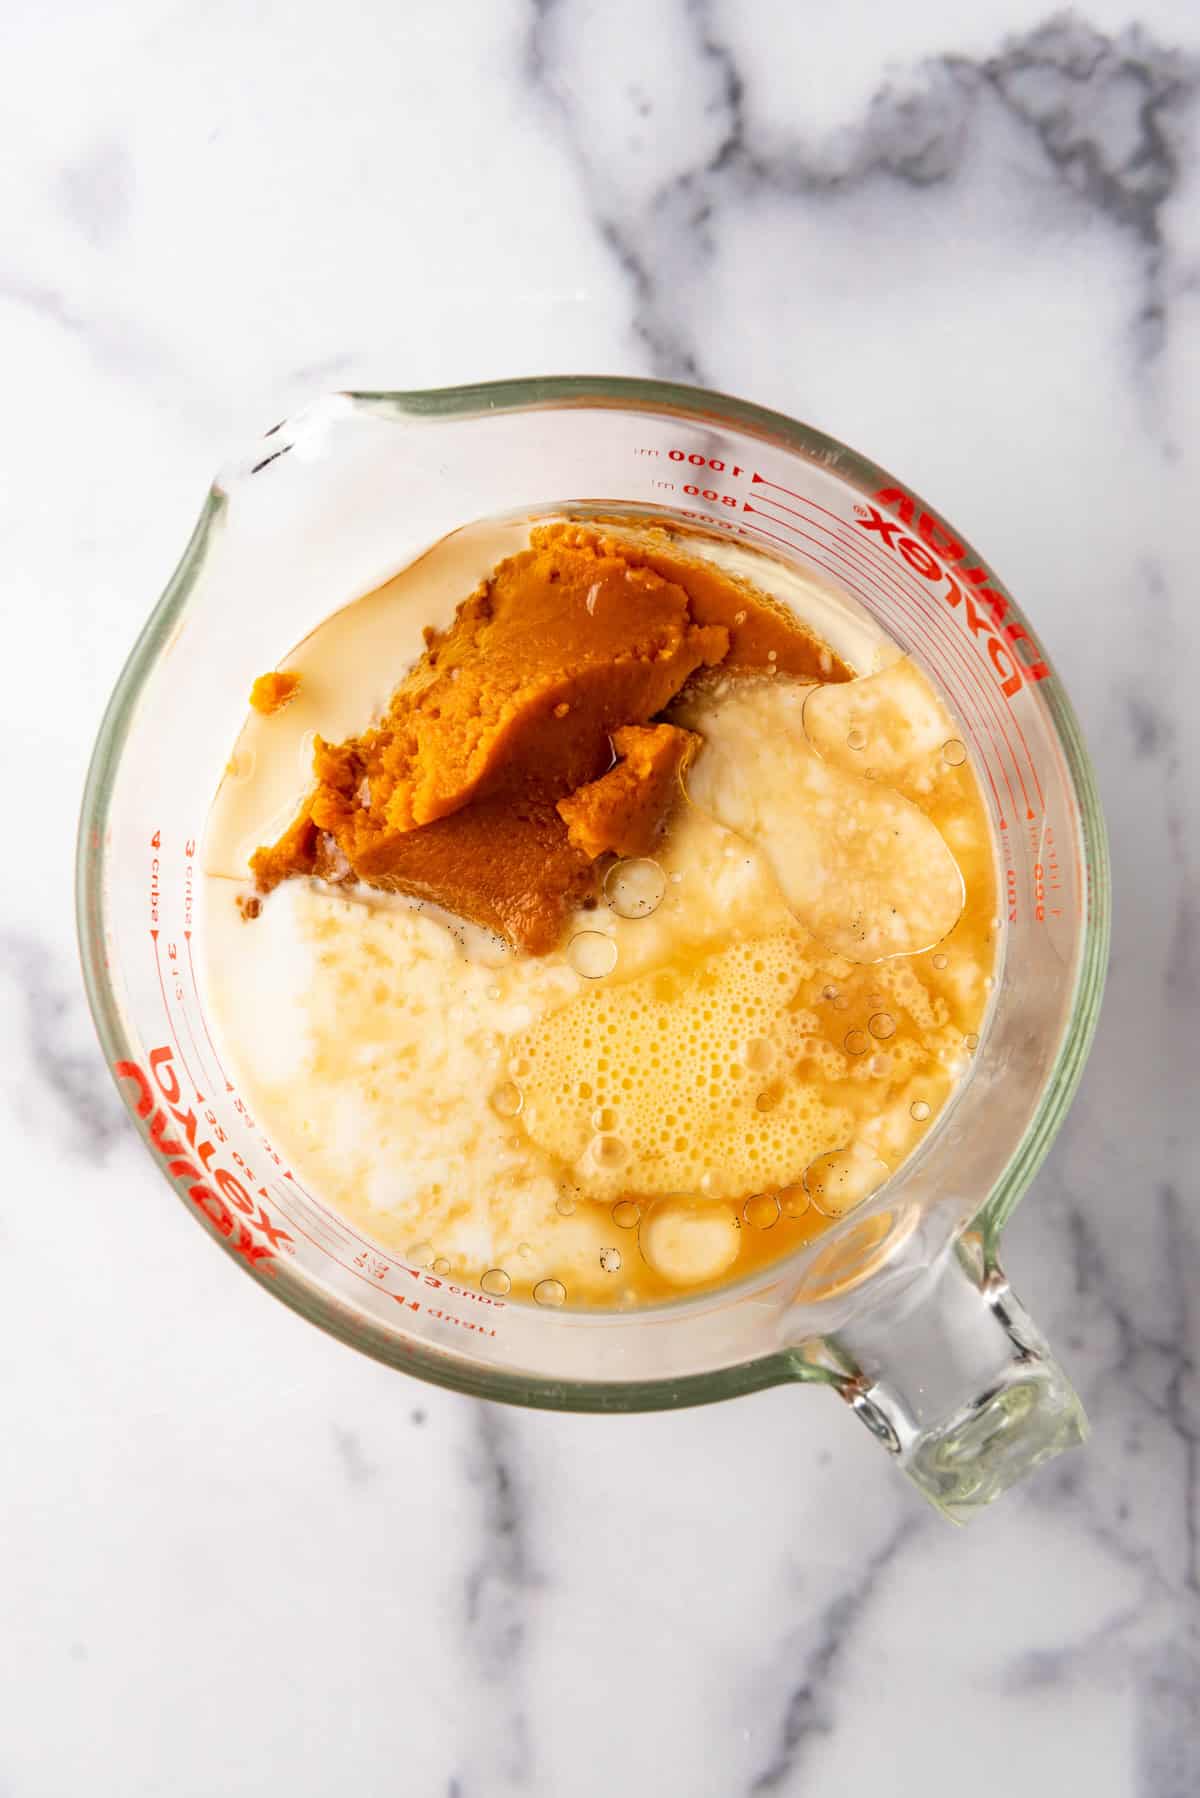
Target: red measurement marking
pixel 978 577
pixel 213 1189
pixel 340 1223
pixel 899 600
pixel 299 1187
pixel 916 603
pixel 928 608
pixel 927 603
pixel 316 1214
pixel 187 937
pixel 959 649
pixel 367 1279
pixel 335 1226
pixel 195 1050
pixel 326 1250
pixel 852 546
pixel 171 1022
pixel 760 480
pixel 1001 712
pixel 376 1265
pixel 876 573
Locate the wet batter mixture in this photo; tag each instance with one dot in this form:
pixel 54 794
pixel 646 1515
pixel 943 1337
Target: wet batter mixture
pixel 595 913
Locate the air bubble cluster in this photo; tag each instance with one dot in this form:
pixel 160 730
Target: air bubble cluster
pixel 680 1079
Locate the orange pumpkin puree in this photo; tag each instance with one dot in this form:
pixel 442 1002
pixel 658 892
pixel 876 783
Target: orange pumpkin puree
pixel 520 749
pixel 271 692
pixel 626 810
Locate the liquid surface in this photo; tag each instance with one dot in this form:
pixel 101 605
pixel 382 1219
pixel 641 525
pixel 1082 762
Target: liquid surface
pixel 488 785
pixel 751 1029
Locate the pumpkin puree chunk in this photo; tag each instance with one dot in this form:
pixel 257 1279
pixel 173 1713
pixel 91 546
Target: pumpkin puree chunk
pixel 626 810
pixel 488 785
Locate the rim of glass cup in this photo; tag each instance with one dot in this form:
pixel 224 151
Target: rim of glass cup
pixel 697 405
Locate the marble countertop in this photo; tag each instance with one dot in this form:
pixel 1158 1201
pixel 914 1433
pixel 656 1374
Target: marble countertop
pixel 238 1558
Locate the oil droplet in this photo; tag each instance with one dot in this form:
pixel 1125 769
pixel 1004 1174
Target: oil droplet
pixel 685 1241
pixel 918 1111
pixel 857 1042
pixel 496 1281
pixel 626 1213
pixel 761 1211
pixel 604 1118
pixel 841 1003
pixel 441 1265
pixel 971 1040
pixel 856 738
pixel 794 1200
pixel 507 1100
pixel 524 1250
pixel 610 1260
pixel 608 1153
pixel 954 752
pixel 941 961
pixel 564 1206
pixel 549 1292
pixel 758 1055
pixel 421 1254
pixel 842 1179
pixel 592 954
pixel 829 992
pixel 635 888
pixel 882 1025
pixel 765 1101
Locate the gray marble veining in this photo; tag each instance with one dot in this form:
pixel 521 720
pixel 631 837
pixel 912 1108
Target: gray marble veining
pixel 1101 115
pixel 966 241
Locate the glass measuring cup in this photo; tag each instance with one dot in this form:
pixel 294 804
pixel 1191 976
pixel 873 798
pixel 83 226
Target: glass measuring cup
pixel 901 1306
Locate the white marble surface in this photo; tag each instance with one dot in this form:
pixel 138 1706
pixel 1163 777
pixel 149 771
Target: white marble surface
pixel 238 1559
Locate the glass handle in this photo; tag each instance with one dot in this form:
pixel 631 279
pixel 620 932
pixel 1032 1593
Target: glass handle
pixel 958 1383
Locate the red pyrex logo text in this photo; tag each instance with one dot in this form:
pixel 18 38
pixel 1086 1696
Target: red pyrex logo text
pixel 213 1190
pixel 984 610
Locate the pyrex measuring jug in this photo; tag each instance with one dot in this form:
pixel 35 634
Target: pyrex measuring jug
pixel 901 1307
